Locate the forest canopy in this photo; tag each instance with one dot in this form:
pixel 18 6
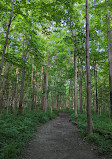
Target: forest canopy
pixel 48 48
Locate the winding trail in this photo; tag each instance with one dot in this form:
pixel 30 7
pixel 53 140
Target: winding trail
pixel 58 139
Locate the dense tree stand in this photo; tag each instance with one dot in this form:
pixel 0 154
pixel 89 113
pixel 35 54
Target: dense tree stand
pixel 55 56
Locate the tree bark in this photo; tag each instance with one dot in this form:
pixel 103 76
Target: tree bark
pixel 60 101
pixel 96 90
pixel 6 39
pixel 75 76
pixel 16 96
pixel 52 96
pixel 43 93
pixel 80 87
pixel 75 85
pixel 10 96
pixel 96 95
pixel 51 101
pixel 41 78
pixel 69 95
pixel 89 118
pixel 57 101
pixel 110 60
pixel 3 89
pixel 47 91
pixel 22 80
pixel 32 90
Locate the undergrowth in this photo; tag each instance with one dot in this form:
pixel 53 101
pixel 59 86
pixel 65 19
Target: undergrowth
pixel 16 131
pixel 102 132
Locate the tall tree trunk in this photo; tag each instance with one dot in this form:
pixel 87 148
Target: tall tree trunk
pixel 52 96
pixel 69 95
pixel 75 85
pixel 32 90
pixel 64 102
pixel 96 90
pixel 89 117
pixel 96 95
pixel 41 78
pixel 43 93
pixel 60 101
pixel 3 89
pixel 110 59
pixel 47 91
pixel 16 95
pixel 11 92
pixel 51 101
pixel 80 86
pixel 6 39
pixel 57 101
pixel 22 81
pixel 75 76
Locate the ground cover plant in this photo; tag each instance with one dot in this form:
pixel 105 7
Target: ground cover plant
pixel 16 131
pixel 102 132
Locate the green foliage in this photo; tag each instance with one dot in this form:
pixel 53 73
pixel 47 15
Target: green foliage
pixel 16 131
pixel 52 115
pixel 47 31
pixel 67 110
pixel 103 144
pixel 102 132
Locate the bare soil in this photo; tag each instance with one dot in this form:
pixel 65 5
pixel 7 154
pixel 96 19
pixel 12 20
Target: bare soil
pixel 58 139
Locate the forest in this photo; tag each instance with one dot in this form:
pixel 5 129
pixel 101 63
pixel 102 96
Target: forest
pixel 55 56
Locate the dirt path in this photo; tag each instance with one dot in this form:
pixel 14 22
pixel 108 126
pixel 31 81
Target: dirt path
pixel 58 139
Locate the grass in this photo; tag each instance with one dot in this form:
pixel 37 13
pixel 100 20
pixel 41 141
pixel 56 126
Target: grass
pixel 102 132
pixel 16 131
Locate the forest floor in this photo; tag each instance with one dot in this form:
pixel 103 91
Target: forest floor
pixel 58 139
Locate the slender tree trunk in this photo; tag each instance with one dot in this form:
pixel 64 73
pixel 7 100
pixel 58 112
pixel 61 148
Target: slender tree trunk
pixel 3 89
pixel 6 39
pixel 75 76
pixel 13 97
pixel 94 101
pixel 96 91
pixel 41 76
pixel 51 101
pixel 96 95
pixel 84 105
pixel 60 102
pixel 75 85
pixel 47 91
pixel 32 90
pixel 21 92
pixel 52 96
pixel 43 93
pixel 16 96
pixel 95 75
pixel 22 81
pixel 80 87
pixel 102 99
pixel 110 60
pixel 73 101
pixel 11 92
pixel 89 117
pixel 64 105
pixel 69 95
pixel 57 100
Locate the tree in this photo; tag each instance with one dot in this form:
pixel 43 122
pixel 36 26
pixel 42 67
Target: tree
pixel 110 59
pixel 89 118
pixel 7 35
